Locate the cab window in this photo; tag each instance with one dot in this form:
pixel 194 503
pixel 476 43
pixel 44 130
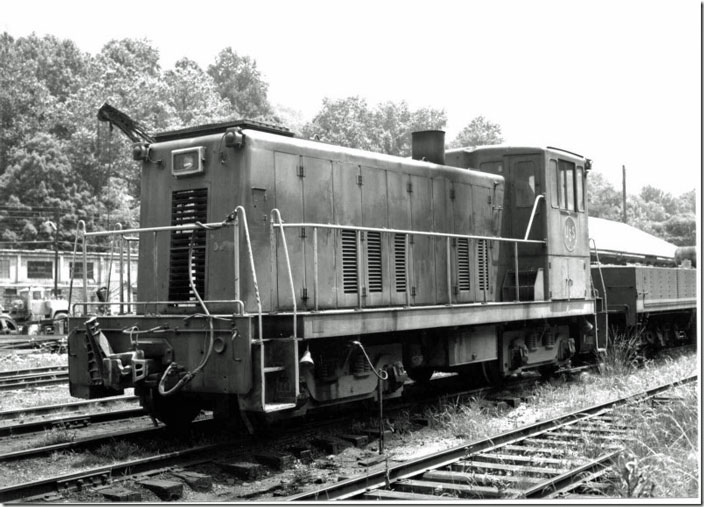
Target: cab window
pixel 525 183
pixel 554 175
pixel 569 186
pixel 580 188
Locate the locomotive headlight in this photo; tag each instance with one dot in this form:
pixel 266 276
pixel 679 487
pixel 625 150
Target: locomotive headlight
pixel 187 161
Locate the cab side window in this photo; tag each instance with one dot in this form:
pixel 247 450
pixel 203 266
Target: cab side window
pixel 568 192
pixel 554 175
pixel 525 183
pixel 580 188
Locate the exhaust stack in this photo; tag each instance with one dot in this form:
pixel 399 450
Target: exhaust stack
pixel 428 145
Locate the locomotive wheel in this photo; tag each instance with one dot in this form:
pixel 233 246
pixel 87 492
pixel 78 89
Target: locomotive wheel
pixel 421 374
pixel 472 375
pixel 177 410
pixel 547 371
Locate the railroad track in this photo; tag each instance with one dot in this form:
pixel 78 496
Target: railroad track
pixel 33 377
pixel 49 488
pixel 534 461
pixel 70 421
pixel 74 406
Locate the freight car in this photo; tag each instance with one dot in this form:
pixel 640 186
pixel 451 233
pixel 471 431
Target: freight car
pixel 278 275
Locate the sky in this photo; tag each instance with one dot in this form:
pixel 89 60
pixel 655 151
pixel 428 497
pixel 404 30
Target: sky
pixel 617 81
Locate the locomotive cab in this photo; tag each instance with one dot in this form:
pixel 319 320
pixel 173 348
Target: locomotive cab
pixel 545 199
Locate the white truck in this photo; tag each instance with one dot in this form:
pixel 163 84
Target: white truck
pixel 38 311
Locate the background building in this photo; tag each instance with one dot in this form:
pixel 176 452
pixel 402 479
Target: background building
pixel 20 269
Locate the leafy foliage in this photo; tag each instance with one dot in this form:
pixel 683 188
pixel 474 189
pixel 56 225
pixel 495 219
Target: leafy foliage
pixel 55 153
pixel 478 132
pixel 652 210
pixel 385 128
pixel 238 81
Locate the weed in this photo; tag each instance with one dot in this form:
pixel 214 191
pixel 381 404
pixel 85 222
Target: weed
pixel 121 450
pixel 56 435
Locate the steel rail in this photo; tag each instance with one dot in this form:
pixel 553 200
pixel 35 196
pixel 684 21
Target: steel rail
pixel 60 378
pixel 382 476
pixel 71 421
pixel 75 444
pixel 32 371
pixel 43 409
pixel 104 474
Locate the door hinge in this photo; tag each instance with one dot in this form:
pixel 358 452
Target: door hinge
pixel 452 193
pixel 303 233
pixel 359 180
pixel 304 294
pixel 409 187
pixel 301 171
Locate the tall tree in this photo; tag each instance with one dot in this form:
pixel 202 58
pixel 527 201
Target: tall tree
pixel 193 96
pixel 345 122
pixel 239 81
pixel 394 122
pixel 25 101
pixel 386 128
pixel 603 199
pixel 478 132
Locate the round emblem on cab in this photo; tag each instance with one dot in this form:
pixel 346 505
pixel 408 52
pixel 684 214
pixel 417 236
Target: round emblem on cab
pixel 569 233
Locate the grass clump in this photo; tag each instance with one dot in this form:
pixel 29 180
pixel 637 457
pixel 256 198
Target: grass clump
pixel 662 459
pixel 56 435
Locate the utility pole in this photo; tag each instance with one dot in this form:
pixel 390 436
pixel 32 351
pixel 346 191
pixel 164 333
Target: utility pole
pixel 57 221
pixel 625 214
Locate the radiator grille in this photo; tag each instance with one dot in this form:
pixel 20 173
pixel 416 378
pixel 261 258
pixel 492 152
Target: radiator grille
pixel 187 207
pixel 463 263
pixel 400 262
pixel 483 264
pixel 349 262
pixel 374 261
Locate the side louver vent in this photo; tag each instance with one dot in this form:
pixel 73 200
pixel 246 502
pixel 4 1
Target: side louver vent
pixel 400 262
pixel 463 263
pixel 187 207
pixel 483 264
pixel 349 262
pixel 374 261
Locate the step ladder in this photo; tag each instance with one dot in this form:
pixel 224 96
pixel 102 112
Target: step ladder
pixel 276 371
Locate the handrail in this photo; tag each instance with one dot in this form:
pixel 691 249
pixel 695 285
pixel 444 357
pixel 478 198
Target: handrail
pixel 532 214
pixel 80 227
pixel 184 227
pixel 408 231
pixel 604 291
pixel 275 213
pixel 235 302
pixel 236 213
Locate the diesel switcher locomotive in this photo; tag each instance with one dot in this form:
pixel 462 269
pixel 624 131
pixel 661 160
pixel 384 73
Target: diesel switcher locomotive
pixel 278 275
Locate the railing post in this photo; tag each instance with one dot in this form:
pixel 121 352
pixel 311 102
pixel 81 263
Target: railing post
pixel 236 243
pixel 122 269
pixel 277 213
pixel 358 237
pixel 315 268
pixel 515 264
pixel 85 265
pixel 408 271
pixel 449 271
